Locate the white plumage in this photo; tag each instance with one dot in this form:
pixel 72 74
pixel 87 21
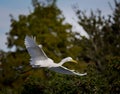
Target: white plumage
pixel 40 59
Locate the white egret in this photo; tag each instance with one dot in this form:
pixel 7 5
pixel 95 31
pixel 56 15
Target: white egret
pixel 40 59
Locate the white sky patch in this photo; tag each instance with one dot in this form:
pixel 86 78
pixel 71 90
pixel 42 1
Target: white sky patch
pixel 5 23
pixel 4 19
pixel 2 41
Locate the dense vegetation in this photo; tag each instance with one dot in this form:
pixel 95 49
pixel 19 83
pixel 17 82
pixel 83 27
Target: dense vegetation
pixel 98 55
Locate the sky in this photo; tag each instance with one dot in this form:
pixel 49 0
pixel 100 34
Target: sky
pixel 17 7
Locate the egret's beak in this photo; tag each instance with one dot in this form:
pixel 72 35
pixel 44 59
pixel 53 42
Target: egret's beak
pixel 74 61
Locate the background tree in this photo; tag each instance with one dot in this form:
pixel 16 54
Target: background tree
pixel 101 49
pixel 103 35
pixel 46 23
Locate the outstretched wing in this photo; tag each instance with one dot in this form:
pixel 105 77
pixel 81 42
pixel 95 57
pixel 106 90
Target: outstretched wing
pixel 65 70
pixel 34 50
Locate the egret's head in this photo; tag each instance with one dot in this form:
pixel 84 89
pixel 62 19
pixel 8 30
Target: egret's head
pixel 69 59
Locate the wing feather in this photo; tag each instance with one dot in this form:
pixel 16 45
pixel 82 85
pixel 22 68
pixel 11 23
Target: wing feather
pixel 34 50
pixel 65 70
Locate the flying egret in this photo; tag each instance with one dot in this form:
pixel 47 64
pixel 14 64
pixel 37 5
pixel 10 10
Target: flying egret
pixel 40 59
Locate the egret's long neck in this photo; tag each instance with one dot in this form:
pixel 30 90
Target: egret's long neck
pixel 62 61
